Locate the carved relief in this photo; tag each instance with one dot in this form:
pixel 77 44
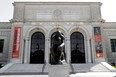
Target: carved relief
pixel 111 33
pixel 5 27
pixel 57 14
pixel 5 33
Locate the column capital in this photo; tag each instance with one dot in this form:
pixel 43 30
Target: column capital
pixel 26 38
pixel 47 38
pixel 67 38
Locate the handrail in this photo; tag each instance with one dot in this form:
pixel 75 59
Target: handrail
pixel 102 63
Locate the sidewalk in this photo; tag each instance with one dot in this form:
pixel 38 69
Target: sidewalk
pixel 89 74
pixel 94 74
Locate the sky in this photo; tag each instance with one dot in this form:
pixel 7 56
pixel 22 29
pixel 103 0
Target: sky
pixel 108 8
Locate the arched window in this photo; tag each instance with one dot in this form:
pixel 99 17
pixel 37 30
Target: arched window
pixel 77 48
pixel 37 48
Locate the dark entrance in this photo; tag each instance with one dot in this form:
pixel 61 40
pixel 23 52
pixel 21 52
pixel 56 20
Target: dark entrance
pixel 37 48
pixel 77 48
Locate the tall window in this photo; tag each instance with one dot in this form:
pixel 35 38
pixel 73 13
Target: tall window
pixel 113 45
pixel 37 48
pixel 1 45
pixel 77 48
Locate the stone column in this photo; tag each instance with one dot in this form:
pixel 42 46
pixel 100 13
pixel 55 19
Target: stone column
pixel 49 46
pixel 68 52
pixel 26 50
pixel 47 50
pixel 88 51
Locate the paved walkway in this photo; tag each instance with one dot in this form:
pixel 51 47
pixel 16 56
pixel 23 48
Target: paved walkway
pixel 94 74
pixel 89 74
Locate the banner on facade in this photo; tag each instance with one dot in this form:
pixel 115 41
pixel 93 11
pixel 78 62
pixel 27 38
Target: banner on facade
pixel 98 42
pixel 16 42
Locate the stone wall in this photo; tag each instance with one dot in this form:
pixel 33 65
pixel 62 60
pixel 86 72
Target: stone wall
pixel 109 29
pixel 70 11
pixel 5 33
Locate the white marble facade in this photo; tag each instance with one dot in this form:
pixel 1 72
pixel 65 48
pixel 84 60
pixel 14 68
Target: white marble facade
pixel 68 17
pixel 48 17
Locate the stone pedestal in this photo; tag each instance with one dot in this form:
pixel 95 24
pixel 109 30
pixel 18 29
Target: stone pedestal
pixel 59 70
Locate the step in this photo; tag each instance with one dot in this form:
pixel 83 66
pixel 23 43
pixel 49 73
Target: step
pixel 24 68
pixel 14 68
pixel 88 74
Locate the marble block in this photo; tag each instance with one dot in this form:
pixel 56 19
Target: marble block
pixel 59 70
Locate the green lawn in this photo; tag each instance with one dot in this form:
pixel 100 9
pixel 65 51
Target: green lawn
pixel 114 66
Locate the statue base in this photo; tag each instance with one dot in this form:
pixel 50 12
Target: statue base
pixel 59 70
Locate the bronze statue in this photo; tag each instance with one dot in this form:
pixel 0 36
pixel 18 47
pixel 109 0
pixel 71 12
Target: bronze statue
pixel 57 55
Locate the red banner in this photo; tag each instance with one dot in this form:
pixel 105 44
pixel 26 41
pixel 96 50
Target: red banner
pixel 98 42
pixel 16 42
pixel 99 55
pixel 97 38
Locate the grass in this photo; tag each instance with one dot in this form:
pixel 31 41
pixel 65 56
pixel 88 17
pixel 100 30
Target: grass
pixel 114 66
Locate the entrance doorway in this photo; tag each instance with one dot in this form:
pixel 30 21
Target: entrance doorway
pixel 37 48
pixel 77 48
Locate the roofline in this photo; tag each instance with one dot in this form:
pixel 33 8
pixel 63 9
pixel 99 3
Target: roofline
pixel 58 3
pixel 110 22
pixel 4 22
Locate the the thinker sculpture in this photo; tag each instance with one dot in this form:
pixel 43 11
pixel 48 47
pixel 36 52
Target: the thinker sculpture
pixel 57 55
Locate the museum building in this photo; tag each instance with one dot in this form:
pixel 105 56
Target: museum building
pixel 26 39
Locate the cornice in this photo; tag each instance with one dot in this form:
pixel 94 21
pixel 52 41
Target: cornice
pixel 2 27
pixel 14 20
pixel 109 25
pixel 58 3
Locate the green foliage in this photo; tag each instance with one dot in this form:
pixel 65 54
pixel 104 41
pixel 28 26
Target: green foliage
pixel 114 66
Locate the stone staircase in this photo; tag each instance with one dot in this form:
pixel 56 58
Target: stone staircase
pixel 13 68
pixel 23 69
pixel 82 68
